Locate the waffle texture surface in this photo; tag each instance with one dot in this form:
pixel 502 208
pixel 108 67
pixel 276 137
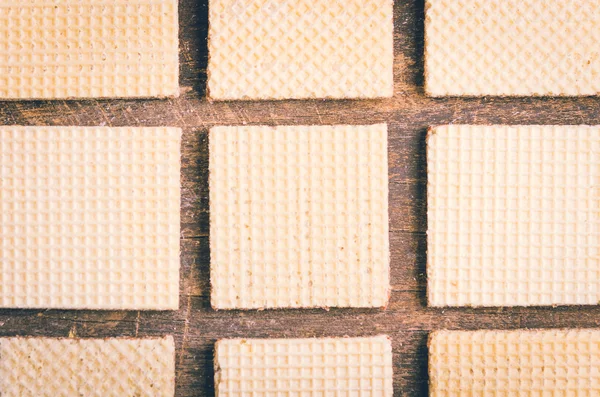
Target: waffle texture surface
pixel 89 217
pixel 512 47
pixel 307 367
pixel 88 48
pixel 514 363
pixel 49 367
pixel 299 216
pixel 277 49
pixel 513 215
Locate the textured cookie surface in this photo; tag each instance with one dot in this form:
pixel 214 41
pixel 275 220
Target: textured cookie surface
pixel 512 47
pixel 514 363
pixel 299 216
pixel 308 367
pixel 513 215
pixel 88 48
pixel 276 49
pixel 89 217
pixel 49 367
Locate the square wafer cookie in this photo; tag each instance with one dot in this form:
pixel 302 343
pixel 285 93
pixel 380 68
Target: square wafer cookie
pixel 299 216
pixel 65 49
pixel 89 217
pixel 514 363
pixel 278 49
pixel 512 47
pixel 49 367
pixel 513 215
pixel 307 367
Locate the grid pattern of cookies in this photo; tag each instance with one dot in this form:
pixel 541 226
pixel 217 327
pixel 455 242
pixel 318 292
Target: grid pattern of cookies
pixel 299 216
pixel 261 49
pixel 33 367
pixel 514 363
pixel 308 367
pixel 88 48
pixel 513 215
pixel 89 217
pixel 512 47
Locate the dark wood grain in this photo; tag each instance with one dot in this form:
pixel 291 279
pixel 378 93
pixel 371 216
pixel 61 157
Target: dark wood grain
pixel 407 319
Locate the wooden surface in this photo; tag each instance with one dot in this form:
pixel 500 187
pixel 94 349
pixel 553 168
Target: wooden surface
pixel 407 319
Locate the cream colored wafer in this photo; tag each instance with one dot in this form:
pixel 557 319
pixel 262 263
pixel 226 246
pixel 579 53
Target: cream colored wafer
pixel 514 363
pixel 49 367
pixel 89 217
pixel 298 216
pixel 277 49
pixel 512 47
pixel 52 49
pixel 308 367
pixel 513 215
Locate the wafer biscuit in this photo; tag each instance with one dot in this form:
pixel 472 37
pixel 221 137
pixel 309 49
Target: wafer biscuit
pixel 64 49
pixel 299 216
pixel 38 367
pixel 512 47
pixel 308 367
pixel 514 363
pixel 277 49
pixel 513 215
pixel 89 217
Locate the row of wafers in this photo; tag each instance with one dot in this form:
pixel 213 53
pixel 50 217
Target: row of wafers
pixel 90 216
pixel 278 49
pixel 461 363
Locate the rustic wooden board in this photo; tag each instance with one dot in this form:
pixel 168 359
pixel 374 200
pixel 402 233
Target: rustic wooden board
pixel 407 320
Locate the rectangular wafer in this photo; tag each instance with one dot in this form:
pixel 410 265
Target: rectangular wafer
pixel 277 49
pixel 298 216
pixel 514 363
pixel 513 215
pixel 512 47
pixel 89 217
pixel 309 367
pixel 88 49
pixel 38 367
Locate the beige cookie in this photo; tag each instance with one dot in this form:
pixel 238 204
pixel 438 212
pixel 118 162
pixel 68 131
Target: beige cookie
pixel 278 49
pixel 89 217
pixel 311 367
pixel 513 215
pixel 512 47
pixel 514 363
pixel 63 49
pixel 49 367
pixel 299 216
